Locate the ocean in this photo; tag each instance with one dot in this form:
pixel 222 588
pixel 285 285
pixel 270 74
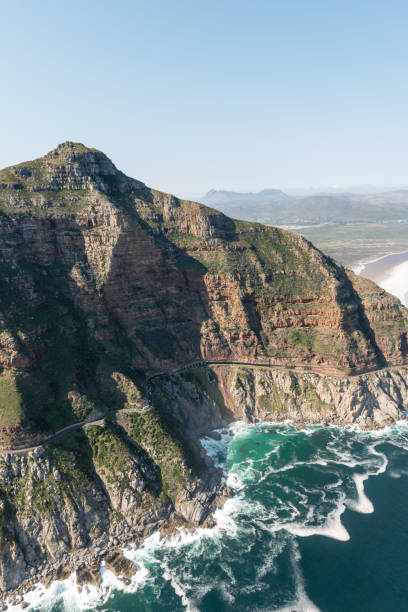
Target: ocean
pixel 318 522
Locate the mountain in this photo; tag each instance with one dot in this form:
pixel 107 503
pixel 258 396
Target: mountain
pixel 275 207
pixel 252 206
pixel 104 283
pixel 101 273
pixel 215 196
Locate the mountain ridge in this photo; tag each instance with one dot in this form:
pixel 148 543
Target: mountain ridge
pixel 320 207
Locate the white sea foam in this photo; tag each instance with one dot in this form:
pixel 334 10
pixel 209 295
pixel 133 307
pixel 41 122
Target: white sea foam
pixel 302 603
pixel 90 596
pixel 291 508
pixel 178 588
pixel 66 592
pixel 398 473
pixel 358 268
pixel 225 516
pixel 395 280
pixel 331 528
pixel 383 466
pixel 362 504
pixel 216 448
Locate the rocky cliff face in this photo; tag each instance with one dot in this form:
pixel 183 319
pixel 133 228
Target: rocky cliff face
pixel 371 401
pixel 104 282
pixel 67 505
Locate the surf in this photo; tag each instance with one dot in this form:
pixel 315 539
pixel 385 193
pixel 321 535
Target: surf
pixel 290 487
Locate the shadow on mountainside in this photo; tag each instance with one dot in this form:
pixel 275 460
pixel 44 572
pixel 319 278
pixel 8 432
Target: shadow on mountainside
pixel 147 315
pixel 62 372
pixel 365 324
pixel 164 291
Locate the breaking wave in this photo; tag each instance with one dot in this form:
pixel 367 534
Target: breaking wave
pixel 290 485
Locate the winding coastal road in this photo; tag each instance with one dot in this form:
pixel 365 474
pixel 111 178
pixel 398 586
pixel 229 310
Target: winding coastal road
pixel 150 391
pixel 68 429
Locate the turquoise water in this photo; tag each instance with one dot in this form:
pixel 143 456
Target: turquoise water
pixel 318 523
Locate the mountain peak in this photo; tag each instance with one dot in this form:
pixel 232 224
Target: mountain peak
pixel 71 166
pixel 72 149
pixel 81 160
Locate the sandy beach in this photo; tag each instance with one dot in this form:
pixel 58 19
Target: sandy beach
pixel 391 273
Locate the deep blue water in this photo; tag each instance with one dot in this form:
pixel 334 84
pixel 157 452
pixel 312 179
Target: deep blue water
pixel 318 523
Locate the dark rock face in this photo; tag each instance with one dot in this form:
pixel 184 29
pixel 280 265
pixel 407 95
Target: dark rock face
pixel 120 565
pixel 88 575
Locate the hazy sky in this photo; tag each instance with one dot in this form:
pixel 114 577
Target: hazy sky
pixel 192 94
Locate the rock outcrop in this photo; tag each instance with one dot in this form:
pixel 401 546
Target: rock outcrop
pixel 371 401
pixel 68 505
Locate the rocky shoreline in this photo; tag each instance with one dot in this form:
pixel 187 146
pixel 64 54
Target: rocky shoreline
pixel 84 562
pixel 87 562
pixel 202 400
pixel 105 282
pixel 206 399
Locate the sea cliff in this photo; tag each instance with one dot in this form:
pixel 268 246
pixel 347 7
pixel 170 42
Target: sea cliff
pixel 104 283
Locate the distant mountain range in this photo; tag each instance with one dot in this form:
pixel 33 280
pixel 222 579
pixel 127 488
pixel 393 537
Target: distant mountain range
pixel 275 207
pixel 265 196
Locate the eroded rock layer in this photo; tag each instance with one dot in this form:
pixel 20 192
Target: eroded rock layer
pixel 371 401
pixel 104 280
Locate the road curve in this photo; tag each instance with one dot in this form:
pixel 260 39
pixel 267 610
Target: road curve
pixel 68 429
pixel 150 391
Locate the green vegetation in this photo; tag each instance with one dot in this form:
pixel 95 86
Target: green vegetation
pixel 72 372
pixel 313 341
pixel 165 439
pixel 274 401
pixel 73 463
pixel 149 430
pixel 11 405
pixel 81 405
pixel 312 399
pixel 252 249
pixel 72 456
pixel 302 394
pixel 299 336
pixel 111 452
pixel 244 378
pixel 183 240
pixel 84 321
